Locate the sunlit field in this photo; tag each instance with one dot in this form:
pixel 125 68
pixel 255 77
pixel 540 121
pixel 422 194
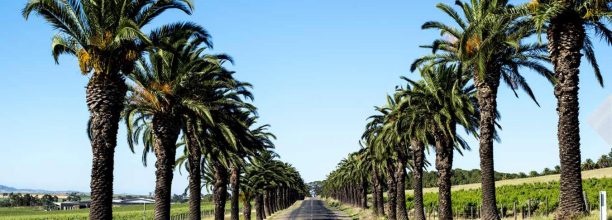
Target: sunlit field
pixel 122 212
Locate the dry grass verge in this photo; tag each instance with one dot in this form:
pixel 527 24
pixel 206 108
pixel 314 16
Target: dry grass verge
pixel 352 211
pixel 295 205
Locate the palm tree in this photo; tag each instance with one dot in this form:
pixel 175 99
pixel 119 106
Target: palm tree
pixel 227 157
pixel 445 99
pixel 197 133
pixel 105 36
pixel 227 161
pixel 364 166
pixel 273 184
pixel 212 118
pixel 413 129
pixel 346 183
pixel 368 139
pixel 568 22
pixel 229 141
pixel 258 140
pixel 391 136
pixel 488 43
pixel 160 92
pixel 383 148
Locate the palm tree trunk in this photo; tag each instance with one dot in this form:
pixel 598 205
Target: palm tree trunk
pixel 375 193
pixel 444 163
pixel 391 196
pixel 165 131
pixel 354 195
pixel 105 94
pixel 487 100
pixel 279 198
pixel 400 182
pixel 379 195
pixel 286 198
pixel 235 184
pixel 220 190
pixel 195 184
pixel 273 199
pixel 364 193
pixel 418 151
pixel 259 207
pixel 566 35
pixel 267 203
pixel 246 209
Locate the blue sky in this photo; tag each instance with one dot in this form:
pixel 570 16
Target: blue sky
pixel 318 67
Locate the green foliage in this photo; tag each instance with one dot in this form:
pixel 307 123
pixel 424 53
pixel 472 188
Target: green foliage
pixel 315 187
pixel 537 193
pixel 459 177
pixel 18 199
pixel 73 197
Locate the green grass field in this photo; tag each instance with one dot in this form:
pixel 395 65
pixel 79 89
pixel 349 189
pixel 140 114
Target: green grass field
pixel 123 212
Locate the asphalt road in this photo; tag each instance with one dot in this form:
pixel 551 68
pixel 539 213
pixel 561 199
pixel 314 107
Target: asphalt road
pixel 312 208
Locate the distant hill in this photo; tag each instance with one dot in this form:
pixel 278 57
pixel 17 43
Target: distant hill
pixel 8 189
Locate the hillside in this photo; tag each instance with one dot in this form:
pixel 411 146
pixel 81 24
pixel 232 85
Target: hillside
pixel 598 173
pixel 8 189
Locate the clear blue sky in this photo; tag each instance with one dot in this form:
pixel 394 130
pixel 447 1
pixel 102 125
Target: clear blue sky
pixel 318 68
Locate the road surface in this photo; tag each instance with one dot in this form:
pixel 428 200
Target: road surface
pixel 311 208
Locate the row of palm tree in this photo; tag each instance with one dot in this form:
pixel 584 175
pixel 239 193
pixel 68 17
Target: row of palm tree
pixel 171 93
pixel 273 184
pixel 421 114
pixel 488 43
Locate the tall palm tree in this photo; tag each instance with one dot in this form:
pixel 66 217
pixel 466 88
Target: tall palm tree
pixel 369 140
pixel 413 129
pixel 391 136
pixel 105 36
pixel 218 92
pixel 445 100
pixel 364 166
pixel 230 140
pixel 227 156
pixel 384 152
pixel 278 181
pixel 488 42
pixel 227 162
pixel 213 119
pixel 257 141
pixel 346 183
pixel 197 131
pixel 568 40
pixel 161 90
